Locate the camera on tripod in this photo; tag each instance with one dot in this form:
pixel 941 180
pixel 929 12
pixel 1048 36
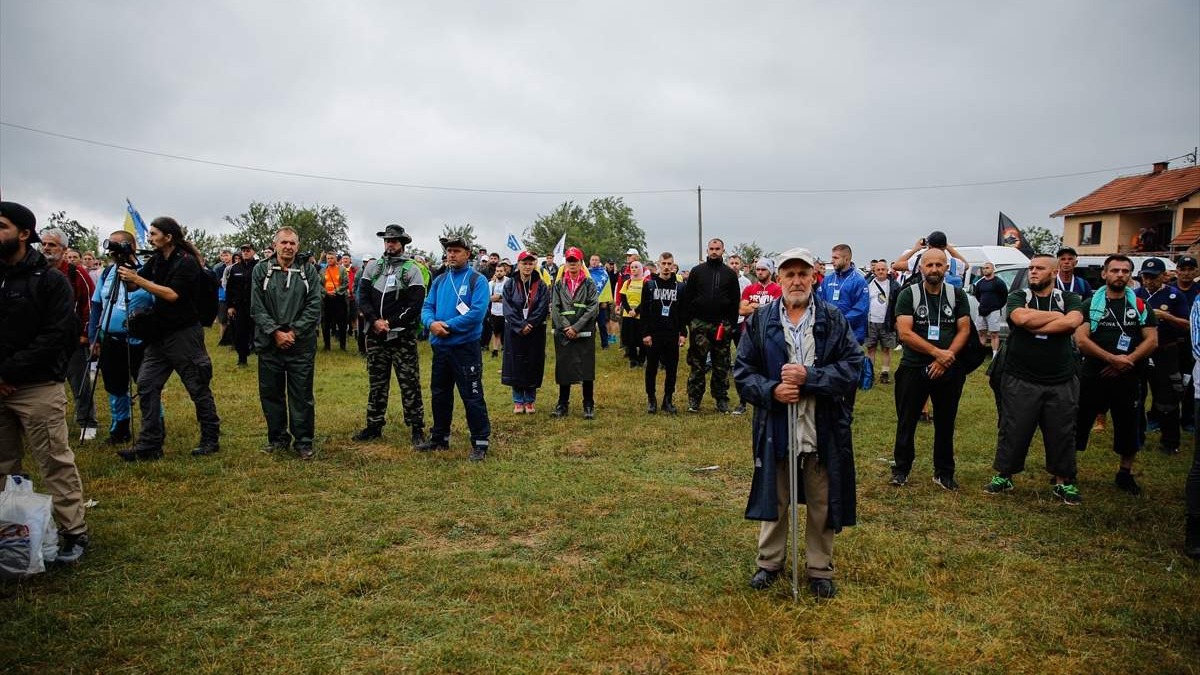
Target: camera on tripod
pixel 122 252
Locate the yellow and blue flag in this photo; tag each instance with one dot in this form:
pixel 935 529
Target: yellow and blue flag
pixel 134 224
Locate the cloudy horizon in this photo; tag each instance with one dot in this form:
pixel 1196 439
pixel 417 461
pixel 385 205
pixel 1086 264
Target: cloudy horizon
pixel 604 99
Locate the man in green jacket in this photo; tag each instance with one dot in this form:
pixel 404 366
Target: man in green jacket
pixel 286 305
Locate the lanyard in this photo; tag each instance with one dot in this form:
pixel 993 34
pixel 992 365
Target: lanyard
pixel 1124 311
pixel 939 306
pixel 462 288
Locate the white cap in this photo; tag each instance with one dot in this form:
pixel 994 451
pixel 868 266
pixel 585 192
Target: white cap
pixel 632 251
pixel 801 254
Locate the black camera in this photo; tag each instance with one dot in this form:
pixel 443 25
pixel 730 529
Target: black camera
pixel 118 248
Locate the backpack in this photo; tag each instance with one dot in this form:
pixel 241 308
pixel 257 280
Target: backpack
pixel 974 353
pixel 204 296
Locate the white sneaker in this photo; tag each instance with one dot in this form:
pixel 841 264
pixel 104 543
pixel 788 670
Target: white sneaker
pixel 87 433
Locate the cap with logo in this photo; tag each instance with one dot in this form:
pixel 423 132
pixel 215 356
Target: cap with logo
pixel 573 252
pixel 1153 267
pixel 1185 261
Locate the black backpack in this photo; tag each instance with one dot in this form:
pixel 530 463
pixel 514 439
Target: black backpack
pixel 204 296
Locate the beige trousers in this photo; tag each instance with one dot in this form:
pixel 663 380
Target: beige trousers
pixel 39 411
pixel 818 539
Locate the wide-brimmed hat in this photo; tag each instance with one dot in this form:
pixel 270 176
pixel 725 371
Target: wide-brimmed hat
pixel 394 231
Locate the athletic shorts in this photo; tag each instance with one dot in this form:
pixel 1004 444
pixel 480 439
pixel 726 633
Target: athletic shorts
pixel 990 323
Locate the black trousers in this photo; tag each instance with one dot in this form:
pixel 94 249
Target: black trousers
pixel 1187 416
pixel 1028 406
pixel 333 319
pixel 243 331
pixel 1117 395
pixel 1163 382
pixel 631 339
pixel 1193 478
pixel 664 350
pixel 913 386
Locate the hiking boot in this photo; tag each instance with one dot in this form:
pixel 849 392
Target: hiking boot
pixel 418 436
pixel 947 482
pixel 276 446
pixel 740 410
pixel 822 589
pixel 432 443
pixel 371 431
pixel 651 406
pixel 763 579
pixel 305 451
pixel 1191 546
pixel 885 378
pixel 71 547
pixel 478 453
pixel 589 411
pixel 693 406
pixel 899 478
pixel 205 449
pixel 135 455
pixel 1126 483
pixel 1068 493
pixel 723 407
pixel 560 410
pixel 669 408
pixel 998 485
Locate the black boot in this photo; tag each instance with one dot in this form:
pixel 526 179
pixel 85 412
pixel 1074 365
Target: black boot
pixel 560 410
pixel 1192 545
pixel 418 436
pixel 433 444
pixel 120 434
pixel 651 404
pixel 371 431
pixel 668 407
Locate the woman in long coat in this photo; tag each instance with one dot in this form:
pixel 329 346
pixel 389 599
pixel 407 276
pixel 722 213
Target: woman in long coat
pixel 574 306
pixel 526 302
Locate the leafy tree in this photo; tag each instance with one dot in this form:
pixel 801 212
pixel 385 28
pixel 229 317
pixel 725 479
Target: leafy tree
pixel 321 228
pixel 467 232
pixel 749 251
pixel 207 243
pixel 606 228
pixel 1042 239
pixel 79 237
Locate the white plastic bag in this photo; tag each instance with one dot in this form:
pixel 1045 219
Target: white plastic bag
pixel 20 504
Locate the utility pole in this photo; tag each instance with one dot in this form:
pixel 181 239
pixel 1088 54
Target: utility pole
pixel 700 223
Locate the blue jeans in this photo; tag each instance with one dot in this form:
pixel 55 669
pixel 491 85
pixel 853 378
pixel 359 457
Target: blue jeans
pixel 458 366
pixel 602 325
pixel 524 395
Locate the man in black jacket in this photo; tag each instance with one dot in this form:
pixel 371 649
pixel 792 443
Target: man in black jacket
pixel 710 303
pixel 237 299
pixel 38 331
pixel 663 332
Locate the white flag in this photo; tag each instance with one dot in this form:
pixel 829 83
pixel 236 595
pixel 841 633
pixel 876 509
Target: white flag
pixel 559 257
pixel 513 244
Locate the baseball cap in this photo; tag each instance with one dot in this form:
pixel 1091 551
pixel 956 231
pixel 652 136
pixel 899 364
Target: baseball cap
pixel 632 251
pixel 1185 261
pixel 573 252
pixel 526 255
pixel 1153 267
pixel 1066 250
pixel 802 254
pixel 23 218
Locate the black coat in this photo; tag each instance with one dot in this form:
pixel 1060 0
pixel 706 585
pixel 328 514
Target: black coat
pixel 38 325
pixel 525 355
pixel 832 378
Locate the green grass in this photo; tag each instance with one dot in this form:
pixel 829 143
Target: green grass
pixel 588 547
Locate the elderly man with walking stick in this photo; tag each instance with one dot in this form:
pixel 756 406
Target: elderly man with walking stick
pixel 798 364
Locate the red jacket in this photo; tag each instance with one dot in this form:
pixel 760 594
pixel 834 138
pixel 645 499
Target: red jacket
pixel 82 285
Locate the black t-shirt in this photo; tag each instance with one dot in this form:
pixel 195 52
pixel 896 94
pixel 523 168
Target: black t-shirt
pixel 1120 318
pixel 178 273
pixel 1044 359
pixel 935 310
pixel 992 294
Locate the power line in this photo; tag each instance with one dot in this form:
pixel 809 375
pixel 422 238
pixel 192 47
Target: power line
pixel 415 186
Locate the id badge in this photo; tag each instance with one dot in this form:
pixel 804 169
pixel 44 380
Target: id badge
pixel 935 333
pixel 837 293
pixel 525 313
pixel 462 307
pixel 390 283
pixel 1123 343
pixel 666 311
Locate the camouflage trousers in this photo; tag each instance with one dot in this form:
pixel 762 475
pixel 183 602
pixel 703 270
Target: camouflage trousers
pixel 702 343
pixel 384 357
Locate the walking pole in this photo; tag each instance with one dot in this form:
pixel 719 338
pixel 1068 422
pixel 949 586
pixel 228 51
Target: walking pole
pixel 792 502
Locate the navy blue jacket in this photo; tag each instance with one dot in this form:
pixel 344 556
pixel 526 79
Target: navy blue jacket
pixel 832 378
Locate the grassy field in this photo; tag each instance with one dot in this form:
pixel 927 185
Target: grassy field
pixel 592 546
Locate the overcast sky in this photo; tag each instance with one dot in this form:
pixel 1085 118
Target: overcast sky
pixel 607 97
